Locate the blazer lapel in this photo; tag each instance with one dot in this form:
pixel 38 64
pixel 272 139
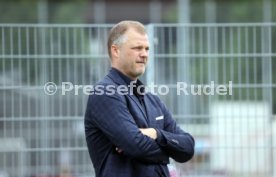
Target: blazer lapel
pixel 149 109
pixel 133 97
pixel 118 80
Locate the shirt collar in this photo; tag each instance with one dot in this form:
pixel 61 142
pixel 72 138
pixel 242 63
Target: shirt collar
pixel 126 79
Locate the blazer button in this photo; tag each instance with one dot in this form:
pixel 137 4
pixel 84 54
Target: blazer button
pixel 175 141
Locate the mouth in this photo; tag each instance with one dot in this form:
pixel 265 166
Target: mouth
pixel 141 62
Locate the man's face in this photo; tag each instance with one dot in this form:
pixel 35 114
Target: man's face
pixel 133 54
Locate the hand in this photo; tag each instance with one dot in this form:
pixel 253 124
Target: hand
pixel 150 132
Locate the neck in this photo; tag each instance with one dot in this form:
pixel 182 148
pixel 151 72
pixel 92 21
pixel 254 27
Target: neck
pixel 130 77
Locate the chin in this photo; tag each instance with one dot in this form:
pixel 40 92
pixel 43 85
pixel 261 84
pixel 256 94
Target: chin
pixel 140 72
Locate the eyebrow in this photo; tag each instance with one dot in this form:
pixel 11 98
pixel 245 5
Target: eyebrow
pixel 140 46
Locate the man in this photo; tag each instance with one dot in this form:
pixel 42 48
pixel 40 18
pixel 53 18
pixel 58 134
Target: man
pixel 132 134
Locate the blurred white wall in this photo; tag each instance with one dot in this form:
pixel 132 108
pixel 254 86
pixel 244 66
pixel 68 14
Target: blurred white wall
pixel 240 137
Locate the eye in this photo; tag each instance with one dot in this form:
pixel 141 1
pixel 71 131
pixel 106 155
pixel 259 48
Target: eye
pixel 138 48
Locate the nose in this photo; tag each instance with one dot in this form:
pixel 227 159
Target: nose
pixel 144 53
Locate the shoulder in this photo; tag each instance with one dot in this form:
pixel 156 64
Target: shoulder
pixel 104 90
pixel 105 81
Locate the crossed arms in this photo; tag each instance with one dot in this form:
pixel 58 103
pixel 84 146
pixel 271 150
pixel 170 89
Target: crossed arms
pixel 150 145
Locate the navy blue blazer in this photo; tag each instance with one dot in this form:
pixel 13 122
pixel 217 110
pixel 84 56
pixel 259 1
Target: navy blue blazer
pixel 113 121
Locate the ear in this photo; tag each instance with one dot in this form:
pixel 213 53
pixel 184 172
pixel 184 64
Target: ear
pixel 115 51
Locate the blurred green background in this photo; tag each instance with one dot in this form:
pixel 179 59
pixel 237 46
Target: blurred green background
pixel 155 11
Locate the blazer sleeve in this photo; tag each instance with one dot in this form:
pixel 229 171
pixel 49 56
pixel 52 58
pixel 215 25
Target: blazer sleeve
pixel 177 143
pixel 110 114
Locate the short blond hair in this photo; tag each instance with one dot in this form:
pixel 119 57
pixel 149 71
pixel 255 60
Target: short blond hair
pixel 117 32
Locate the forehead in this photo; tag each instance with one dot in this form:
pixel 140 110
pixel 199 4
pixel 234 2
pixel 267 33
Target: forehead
pixel 134 37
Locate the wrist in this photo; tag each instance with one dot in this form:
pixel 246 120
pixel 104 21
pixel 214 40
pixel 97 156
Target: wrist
pixel 154 133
